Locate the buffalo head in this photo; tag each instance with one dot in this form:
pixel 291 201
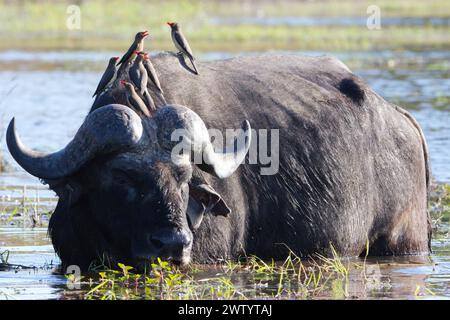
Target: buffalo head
pixel 123 193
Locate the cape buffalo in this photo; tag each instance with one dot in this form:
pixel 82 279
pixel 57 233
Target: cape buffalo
pixel 352 168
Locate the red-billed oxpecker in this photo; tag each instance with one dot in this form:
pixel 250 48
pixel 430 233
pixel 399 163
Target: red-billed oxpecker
pixel 151 72
pixel 137 45
pixel 138 75
pixel 181 43
pixel 107 76
pixel 134 101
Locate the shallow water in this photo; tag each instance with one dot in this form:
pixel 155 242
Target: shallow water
pixel 49 94
pixel 386 278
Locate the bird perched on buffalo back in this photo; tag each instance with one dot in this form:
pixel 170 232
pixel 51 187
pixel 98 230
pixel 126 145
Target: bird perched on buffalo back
pixel 181 42
pixel 137 45
pixel 134 100
pixel 151 72
pixel 107 76
pixel 138 73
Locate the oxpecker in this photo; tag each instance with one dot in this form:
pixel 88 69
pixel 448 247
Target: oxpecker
pixel 137 45
pixel 134 100
pixel 107 76
pixel 181 42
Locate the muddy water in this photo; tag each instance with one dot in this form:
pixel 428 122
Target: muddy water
pixel 49 94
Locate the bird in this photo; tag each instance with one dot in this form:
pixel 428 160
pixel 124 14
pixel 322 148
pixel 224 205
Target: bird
pixel 139 77
pixel 151 72
pixel 137 45
pixel 138 73
pixel 149 100
pixel 181 43
pixel 107 76
pixel 134 100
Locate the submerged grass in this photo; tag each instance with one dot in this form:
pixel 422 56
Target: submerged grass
pixel 291 279
pixel 111 25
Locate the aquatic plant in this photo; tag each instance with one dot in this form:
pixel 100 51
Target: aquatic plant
pixel 318 276
pixel 291 278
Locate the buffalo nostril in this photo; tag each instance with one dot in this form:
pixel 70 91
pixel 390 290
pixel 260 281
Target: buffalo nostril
pixel 169 241
pixel 158 244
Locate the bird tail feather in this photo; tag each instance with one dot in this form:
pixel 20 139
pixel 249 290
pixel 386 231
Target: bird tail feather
pixel 193 64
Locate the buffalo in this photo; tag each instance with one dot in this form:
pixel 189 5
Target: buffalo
pixel 352 168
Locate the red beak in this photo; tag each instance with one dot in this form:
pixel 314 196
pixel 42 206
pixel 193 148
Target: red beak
pixel 170 23
pixel 146 33
pixel 122 82
pixel 116 58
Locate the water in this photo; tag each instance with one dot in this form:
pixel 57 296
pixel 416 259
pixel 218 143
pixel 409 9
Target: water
pixel 386 278
pixel 49 94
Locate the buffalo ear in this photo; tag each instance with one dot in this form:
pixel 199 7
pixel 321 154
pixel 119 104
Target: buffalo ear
pixel 204 199
pixel 210 200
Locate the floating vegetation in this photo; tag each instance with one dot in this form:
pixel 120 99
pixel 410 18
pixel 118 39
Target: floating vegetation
pixel 293 278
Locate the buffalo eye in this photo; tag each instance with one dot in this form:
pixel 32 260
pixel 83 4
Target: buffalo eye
pixel 121 177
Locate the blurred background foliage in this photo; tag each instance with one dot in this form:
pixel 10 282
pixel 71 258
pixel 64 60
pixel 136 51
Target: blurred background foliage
pixel 227 25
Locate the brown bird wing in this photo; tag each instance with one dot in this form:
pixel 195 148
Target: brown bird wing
pixel 128 54
pixel 106 78
pixel 151 72
pixel 183 43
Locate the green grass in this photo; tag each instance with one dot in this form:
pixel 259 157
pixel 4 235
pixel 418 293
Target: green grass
pixel 292 278
pixel 108 25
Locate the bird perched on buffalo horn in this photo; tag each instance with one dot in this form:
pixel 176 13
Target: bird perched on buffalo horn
pixel 107 76
pixel 134 100
pixel 181 43
pixel 137 45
